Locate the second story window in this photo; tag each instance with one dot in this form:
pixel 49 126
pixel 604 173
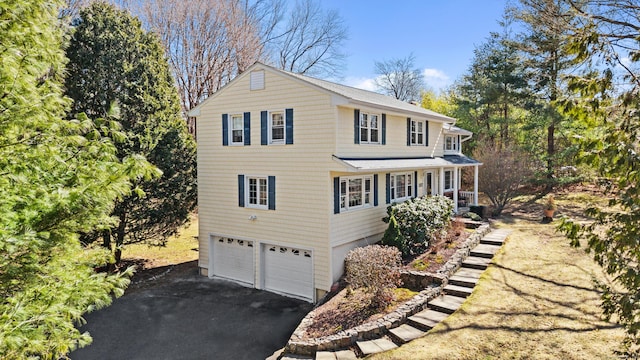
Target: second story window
pixel 237 129
pixel 369 128
pixel 451 143
pixel 277 127
pixel 417 132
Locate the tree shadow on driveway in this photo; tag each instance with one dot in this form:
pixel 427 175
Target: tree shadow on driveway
pixel 178 314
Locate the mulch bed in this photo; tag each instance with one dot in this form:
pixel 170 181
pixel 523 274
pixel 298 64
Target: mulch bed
pixel 348 309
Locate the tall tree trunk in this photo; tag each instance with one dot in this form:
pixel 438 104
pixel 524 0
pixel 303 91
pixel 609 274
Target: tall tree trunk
pixel 120 233
pixel 550 152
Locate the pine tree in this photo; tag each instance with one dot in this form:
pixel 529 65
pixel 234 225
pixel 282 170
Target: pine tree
pixel 58 178
pixel 113 62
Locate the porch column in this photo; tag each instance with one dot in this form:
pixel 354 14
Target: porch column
pixel 441 182
pixel 455 189
pixel 475 185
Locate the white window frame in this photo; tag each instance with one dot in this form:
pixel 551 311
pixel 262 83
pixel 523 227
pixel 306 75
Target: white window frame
pixel 451 143
pixel 416 133
pixel 232 129
pixel 409 186
pixel 346 197
pixel 261 194
pixel 284 127
pixel 448 185
pixel 370 130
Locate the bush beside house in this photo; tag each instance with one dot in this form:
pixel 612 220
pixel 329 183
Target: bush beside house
pixel 413 223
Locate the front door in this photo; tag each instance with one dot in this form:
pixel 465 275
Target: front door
pixel 429 184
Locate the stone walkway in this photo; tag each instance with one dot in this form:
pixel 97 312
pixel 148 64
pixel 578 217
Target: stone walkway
pixel 460 285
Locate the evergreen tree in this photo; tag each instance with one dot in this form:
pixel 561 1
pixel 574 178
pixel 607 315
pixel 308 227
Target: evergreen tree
pixel 491 96
pixel 58 178
pixel 606 99
pixel 546 25
pixel 112 61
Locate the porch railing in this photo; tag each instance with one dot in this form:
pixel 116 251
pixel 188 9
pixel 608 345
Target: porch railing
pixel 466 196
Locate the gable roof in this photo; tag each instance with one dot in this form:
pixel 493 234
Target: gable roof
pixel 360 96
pixel 350 94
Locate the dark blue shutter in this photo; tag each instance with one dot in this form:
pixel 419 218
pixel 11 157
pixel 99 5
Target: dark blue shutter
pixel 426 133
pixel 271 186
pixel 288 116
pixel 415 184
pixel 375 189
pixel 384 129
pixel 247 128
pixel 459 144
pixel 336 195
pixel 356 126
pixel 241 190
pixel 408 131
pixel 388 188
pixel 225 129
pixel 264 128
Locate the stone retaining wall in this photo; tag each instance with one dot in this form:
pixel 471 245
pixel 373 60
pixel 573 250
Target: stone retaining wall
pixel 432 283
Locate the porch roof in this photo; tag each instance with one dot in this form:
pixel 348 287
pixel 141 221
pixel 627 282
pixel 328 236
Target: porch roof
pixel 399 164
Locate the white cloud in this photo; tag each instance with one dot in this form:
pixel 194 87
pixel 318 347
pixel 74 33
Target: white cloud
pixel 436 79
pixel 361 83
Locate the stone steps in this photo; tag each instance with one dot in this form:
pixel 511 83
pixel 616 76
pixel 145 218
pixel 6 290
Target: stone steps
pixel 474 262
pixel 465 277
pixel 375 346
pixel 336 355
pixel 427 319
pixel 405 333
pixel 459 287
pixel 459 291
pixel 446 304
pixel 484 251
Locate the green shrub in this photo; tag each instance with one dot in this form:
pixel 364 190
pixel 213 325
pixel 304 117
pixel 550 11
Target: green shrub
pixel 417 220
pixel 375 269
pixel 392 236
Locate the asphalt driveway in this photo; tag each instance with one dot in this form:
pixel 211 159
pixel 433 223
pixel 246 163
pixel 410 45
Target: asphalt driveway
pixel 182 315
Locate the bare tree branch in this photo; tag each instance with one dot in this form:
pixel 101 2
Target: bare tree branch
pixel 399 78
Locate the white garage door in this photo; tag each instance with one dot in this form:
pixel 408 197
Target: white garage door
pixel 233 259
pixel 288 271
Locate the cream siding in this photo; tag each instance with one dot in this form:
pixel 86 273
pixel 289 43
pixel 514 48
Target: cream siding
pixel 396 137
pixel 300 218
pixel 304 217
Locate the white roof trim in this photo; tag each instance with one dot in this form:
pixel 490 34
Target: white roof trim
pixel 377 165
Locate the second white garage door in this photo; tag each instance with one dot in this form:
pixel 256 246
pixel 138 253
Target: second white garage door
pixel 288 270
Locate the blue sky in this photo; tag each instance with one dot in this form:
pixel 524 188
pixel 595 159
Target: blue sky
pixel 441 34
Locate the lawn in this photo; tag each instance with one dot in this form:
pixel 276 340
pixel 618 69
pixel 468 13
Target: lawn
pixel 179 249
pixel 536 302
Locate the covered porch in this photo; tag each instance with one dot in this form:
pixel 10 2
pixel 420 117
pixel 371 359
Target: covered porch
pixel 433 175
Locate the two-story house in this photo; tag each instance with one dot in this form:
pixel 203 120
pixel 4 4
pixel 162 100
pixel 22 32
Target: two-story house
pixel 293 172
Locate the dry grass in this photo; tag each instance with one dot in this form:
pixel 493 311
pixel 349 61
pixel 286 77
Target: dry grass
pixel 536 302
pixel 179 249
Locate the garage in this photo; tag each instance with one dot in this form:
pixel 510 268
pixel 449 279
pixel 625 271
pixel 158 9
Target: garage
pixel 288 271
pixel 233 259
